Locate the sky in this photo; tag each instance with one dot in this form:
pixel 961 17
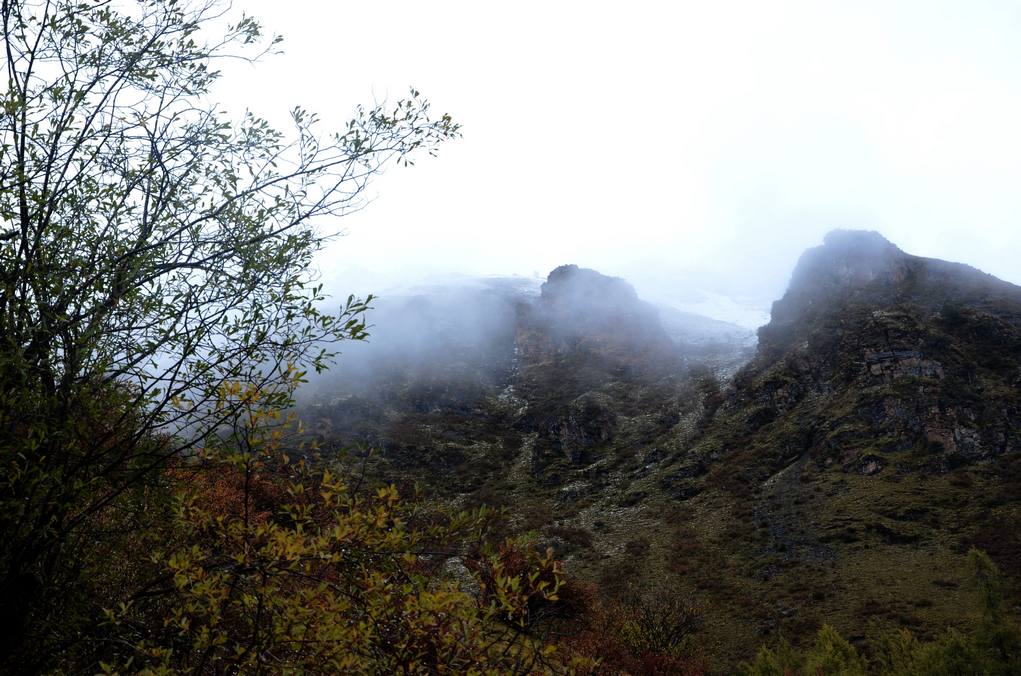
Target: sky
pixel 694 148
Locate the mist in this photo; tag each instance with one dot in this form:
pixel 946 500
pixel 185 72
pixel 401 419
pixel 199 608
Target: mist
pixel 429 337
pixel 695 149
pixel 449 345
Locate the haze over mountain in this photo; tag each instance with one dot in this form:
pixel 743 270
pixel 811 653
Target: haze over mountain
pixel 777 123
pixel 465 327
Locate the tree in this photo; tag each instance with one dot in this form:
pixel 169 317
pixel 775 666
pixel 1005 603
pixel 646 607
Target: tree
pixel 152 252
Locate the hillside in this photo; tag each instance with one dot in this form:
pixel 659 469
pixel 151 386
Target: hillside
pixel 870 442
pixel 459 382
pixel 839 476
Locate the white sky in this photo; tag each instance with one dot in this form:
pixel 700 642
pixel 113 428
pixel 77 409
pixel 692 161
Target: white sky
pixel 695 148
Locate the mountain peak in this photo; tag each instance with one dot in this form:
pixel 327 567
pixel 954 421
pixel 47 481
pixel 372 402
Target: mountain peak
pixel 586 289
pixel 848 263
pixel 847 258
pixel 584 312
pixel 858 240
pixel 858 268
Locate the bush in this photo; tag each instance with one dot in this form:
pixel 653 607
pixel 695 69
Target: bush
pixel 638 634
pixel 270 565
pixel 992 647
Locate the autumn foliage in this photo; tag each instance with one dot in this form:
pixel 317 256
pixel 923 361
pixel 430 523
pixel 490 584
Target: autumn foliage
pixel 274 564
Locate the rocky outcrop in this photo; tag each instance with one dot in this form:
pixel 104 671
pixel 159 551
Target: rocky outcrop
pixel 873 351
pixel 454 376
pixel 583 343
pixel 877 431
pixel 582 314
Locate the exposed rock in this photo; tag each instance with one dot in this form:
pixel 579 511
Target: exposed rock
pixel 581 313
pixel 455 569
pixel 869 464
pixel 890 364
pixel 871 347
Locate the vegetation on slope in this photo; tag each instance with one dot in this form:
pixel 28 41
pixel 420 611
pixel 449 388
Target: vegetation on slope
pixel 840 477
pixel 157 312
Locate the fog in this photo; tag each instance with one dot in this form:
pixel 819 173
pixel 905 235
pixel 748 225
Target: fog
pixel 693 148
pixel 445 344
pixel 430 337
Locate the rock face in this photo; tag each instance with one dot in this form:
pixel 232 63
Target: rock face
pixel 877 431
pixel 461 379
pixel 900 351
pixel 583 314
pixel 581 308
pixel 844 266
pixel 586 340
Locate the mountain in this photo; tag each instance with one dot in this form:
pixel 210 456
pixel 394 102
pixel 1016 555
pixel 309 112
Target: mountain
pixel 456 380
pixel 871 441
pixel 900 353
pixel 836 471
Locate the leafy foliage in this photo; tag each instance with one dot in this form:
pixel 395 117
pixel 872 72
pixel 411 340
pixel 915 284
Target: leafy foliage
pixel 152 251
pixel 282 566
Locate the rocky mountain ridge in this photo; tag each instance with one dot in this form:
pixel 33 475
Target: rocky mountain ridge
pixel 838 476
pixel 913 352
pixel 557 364
pixel 871 441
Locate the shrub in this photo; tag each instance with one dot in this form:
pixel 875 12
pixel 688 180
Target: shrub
pixel 993 646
